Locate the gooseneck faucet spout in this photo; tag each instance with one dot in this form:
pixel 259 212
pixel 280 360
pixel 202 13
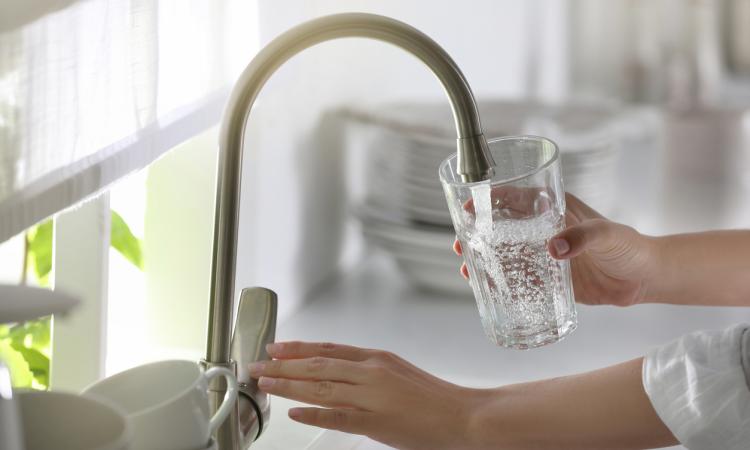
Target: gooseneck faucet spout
pixel 475 161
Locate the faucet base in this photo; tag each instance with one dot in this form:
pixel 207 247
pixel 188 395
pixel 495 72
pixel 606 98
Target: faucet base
pixel 254 328
pixel 227 436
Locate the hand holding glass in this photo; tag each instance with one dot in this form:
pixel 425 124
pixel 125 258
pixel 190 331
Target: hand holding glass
pixel 524 296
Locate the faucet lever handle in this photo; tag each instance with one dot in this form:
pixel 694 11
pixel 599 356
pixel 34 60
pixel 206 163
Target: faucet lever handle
pixel 255 326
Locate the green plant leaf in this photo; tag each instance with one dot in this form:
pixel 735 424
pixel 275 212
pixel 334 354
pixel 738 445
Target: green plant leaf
pixel 25 347
pixel 33 334
pixel 40 251
pixel 38 364
pixel 123 240
pixel 20 374
pixel 40 334
pixel 31 341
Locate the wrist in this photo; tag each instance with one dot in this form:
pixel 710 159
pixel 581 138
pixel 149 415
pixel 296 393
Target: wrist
pixel 477 425
pixel 657 281
pixel 491 410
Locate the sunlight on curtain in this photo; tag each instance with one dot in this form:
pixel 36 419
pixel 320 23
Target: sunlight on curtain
pixel 97 90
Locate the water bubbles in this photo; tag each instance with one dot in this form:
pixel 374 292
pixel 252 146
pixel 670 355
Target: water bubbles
pixel 520 284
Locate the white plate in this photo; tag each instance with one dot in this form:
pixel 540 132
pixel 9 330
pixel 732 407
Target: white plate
pixel 412 235
pixel 435 277
pixel 442 254
pixel 20 303
pixel 406 147
pixel 423 254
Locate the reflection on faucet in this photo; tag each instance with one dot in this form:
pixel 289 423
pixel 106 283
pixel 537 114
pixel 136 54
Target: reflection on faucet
pixel 474 160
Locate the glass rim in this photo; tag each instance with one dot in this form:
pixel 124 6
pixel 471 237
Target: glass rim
pixel 554 157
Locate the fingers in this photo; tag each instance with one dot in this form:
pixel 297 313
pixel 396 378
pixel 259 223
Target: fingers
pixel 315 368
pixel 299 350
pixel 595 234
pixel 459 251
pixel 579 209
pixel 349 421
pixel 323 393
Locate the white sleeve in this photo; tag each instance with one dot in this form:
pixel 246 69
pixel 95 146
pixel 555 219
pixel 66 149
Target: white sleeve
pixel 699 386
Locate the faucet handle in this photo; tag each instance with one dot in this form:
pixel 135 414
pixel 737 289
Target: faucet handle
pixel 255 327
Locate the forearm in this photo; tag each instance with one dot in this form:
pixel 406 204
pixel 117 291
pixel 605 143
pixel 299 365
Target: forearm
pixel 711 268
pixel 604 409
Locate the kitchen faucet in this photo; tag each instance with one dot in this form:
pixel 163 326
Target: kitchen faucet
pixel 256 316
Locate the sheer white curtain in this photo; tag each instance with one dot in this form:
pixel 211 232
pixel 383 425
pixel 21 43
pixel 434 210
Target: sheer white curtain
pixel 101 88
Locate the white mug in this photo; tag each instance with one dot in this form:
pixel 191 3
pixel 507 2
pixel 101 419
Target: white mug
pixel 167 403
pixel 62 421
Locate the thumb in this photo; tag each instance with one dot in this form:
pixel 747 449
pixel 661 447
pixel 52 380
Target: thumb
pixel 595 234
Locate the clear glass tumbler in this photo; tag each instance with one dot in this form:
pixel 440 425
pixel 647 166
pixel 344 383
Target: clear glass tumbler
pixel 524 296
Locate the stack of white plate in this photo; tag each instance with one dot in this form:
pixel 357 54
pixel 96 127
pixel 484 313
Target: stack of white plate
pixel 423 252
pixel 402 177
pixel 403 209
pixel 589 138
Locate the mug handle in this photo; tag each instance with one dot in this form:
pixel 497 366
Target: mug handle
pixel 229 398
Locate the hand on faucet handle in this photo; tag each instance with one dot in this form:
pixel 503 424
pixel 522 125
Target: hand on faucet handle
pixel 369 392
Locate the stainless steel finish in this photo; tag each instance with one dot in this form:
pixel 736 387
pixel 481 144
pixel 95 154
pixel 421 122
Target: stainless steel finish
pixel 10 422
pixel 249 426
pixel 217 388
pixel 474 165
pixel 255 327
pixel 476 162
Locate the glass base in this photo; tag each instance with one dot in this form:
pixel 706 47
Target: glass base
pixel 522 340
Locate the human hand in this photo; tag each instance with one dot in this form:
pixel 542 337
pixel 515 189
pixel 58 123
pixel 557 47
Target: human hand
pixel 368 392
pixel 611 263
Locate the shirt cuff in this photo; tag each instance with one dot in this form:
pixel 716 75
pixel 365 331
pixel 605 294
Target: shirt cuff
pixel 698 386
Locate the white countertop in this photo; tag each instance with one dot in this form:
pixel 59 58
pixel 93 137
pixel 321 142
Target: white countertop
pixel 373 307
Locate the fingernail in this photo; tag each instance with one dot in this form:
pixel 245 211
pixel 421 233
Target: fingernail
pixel 265 382
pixel 561 246
pixel 273 347
pixel 256 368
pixel 295 413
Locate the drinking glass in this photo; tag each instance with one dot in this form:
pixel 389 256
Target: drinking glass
pixel 504 224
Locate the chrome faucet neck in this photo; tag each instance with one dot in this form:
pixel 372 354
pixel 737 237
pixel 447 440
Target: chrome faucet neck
pixel 475 162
